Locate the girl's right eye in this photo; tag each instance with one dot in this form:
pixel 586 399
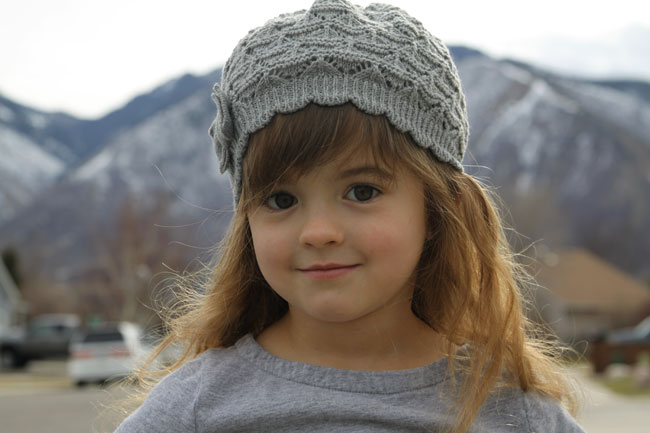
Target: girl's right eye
pixel 280 201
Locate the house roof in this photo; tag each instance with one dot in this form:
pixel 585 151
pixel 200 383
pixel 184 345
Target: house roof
pixel 8 289
pixel 10 298
pixel 586 282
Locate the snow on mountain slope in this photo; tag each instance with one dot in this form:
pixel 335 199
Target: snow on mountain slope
pixel 627 111
pixel 562 154
pixel 25 169
pixel 169 154
pixel 55 133
pixel 170 151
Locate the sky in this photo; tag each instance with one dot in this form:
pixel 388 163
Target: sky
pixel 89 57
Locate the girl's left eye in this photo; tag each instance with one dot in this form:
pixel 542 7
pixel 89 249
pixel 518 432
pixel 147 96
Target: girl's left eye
pixel 362 193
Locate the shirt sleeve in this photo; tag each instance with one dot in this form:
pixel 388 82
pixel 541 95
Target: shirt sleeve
pixel 546 415
pixel 170 406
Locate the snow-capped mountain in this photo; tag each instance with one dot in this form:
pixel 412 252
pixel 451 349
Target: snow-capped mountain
pixel 166 155
pixel 57 134
pixel 25 170
pixel 570 158
pixel 35 148
pixel 65 142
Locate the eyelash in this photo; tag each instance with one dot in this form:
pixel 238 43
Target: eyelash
pixel 375 193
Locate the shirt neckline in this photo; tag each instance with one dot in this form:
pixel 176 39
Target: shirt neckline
pixel 374 382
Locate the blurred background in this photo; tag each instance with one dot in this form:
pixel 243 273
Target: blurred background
pixel 109 185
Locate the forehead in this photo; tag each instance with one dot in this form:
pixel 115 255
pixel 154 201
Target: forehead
pixel 345 166
pixel 345 159
pixel 352 153
pixel 293 145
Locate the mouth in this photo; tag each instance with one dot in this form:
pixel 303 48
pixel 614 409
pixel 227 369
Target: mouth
pixel 327 271
pixel 326 267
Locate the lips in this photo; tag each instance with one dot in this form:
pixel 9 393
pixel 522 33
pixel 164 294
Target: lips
pixel 327 271
pixel 326 267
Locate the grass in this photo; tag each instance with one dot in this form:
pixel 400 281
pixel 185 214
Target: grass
pixel 624 386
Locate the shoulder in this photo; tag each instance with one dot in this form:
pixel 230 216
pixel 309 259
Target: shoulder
pixel 530 411
pixel 547 414
pixel 171 404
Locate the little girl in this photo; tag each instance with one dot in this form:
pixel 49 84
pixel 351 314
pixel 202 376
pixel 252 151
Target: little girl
pixel 365 283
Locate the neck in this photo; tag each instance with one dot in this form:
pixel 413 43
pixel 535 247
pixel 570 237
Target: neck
pixel 392 339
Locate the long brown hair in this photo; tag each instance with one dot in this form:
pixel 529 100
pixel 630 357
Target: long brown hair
pixel 468 284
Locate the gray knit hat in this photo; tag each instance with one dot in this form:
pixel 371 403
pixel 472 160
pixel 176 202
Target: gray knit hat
pixel 378 58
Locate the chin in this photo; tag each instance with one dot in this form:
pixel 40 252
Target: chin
pixel 333 313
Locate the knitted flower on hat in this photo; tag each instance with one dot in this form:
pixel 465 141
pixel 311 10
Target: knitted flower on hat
pixel 378 58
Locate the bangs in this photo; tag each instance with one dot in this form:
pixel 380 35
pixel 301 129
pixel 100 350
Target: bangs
pixel 293 144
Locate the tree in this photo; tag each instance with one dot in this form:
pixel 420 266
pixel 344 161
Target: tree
pixel 131 254
pixel 12 263
pixel 536 217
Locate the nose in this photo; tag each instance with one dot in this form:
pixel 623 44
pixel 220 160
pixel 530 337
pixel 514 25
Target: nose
pixel 321 228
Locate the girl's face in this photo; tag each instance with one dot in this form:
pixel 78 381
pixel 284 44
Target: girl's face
pixel 341 242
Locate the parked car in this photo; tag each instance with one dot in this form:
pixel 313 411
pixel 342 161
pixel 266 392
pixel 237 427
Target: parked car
pixel 639 333
pixel 169 354
pixel 105 353
pixel 47 336
pixel 622 346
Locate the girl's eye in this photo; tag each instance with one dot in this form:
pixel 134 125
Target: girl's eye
pixel 284 200
pixel 362 193
pixel 280 201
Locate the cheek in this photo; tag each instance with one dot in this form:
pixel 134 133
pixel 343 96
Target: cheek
pixel 394 242
pixel 271 250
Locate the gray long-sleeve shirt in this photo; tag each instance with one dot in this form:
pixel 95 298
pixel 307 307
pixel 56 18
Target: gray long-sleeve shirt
pixel 246 389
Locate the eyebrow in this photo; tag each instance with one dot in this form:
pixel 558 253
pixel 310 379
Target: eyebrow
pixel 368 170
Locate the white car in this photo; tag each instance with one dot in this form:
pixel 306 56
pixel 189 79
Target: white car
pixel 105 353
